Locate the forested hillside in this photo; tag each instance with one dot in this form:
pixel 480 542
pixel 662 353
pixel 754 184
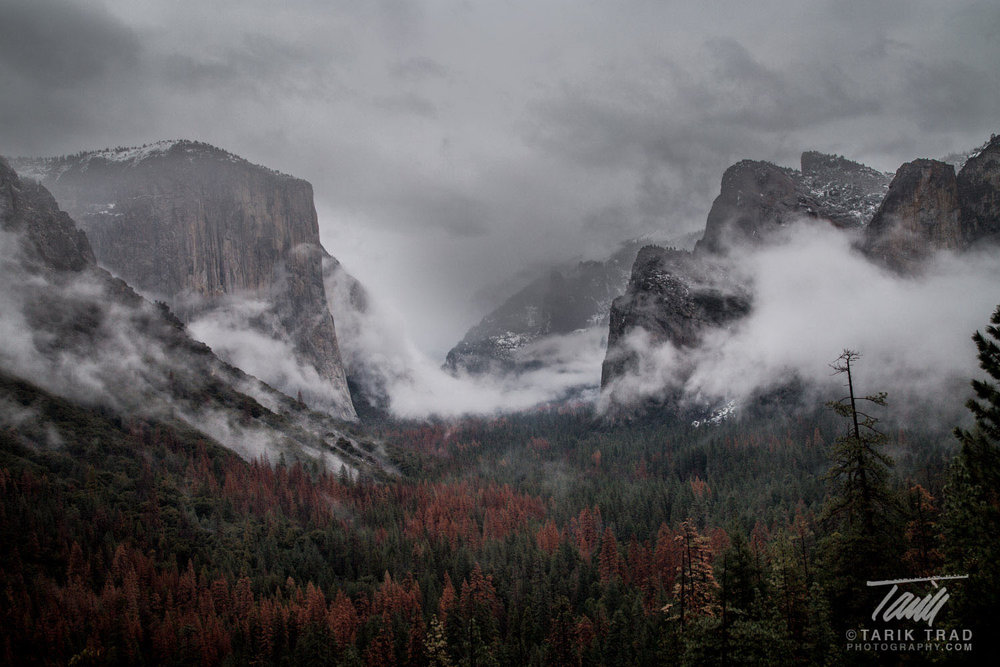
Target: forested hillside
pixel 543 538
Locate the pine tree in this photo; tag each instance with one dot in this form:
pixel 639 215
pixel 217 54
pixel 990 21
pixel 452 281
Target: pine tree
pixel 562 637
pixel 860 468
pixel 860 515
pixel 694 585
pixel 436 645
pixel 923 557
pixel 971 520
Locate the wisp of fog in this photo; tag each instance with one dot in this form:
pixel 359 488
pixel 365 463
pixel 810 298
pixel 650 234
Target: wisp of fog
pixel 815 295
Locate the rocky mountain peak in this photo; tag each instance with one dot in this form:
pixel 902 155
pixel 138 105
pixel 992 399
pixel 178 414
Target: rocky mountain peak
pixel 919 215
pixel 209 232
pixel 756 198
pixel 849 192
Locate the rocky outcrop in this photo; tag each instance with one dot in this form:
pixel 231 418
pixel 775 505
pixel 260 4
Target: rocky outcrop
pixel 72 329
pixel 919 215
pixel 979 195
pixel 847 193
pixel 756 199
pixel 49 238
pixel 759 198
pixel 674 297
pixel 199 228
pixel 928 208
pixel 567 299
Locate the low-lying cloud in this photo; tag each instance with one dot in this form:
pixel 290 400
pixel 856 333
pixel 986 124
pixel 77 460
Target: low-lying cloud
pixel 73 335
pixel 815 295
pixel 379 353
pixel 245 332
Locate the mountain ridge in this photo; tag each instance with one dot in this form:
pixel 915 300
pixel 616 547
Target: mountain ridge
pixel 827 186
pixel 920 211
pixel 231 246
pixel 74 330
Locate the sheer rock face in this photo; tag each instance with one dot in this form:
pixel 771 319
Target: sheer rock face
pixel 979 195
pixel 673 296
pixel 756 199
pixel 49 237
pixel 186 218
pixel 929 208
pixel 194 225
pixel 919 215
pixel 90 338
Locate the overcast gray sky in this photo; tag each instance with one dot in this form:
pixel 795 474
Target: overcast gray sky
pixel 452 144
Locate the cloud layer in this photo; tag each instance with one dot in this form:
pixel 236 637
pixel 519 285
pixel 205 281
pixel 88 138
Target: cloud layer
pixel 75 336
pixel 381 355
pixel 244 332
pixel 453 144
pixel 814 295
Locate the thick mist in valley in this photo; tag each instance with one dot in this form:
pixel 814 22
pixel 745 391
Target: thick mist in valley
pixel 814 295
pixel 530 332
pixel 453 146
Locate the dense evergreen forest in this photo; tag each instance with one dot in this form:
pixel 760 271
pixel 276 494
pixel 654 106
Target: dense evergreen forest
pixel 548 538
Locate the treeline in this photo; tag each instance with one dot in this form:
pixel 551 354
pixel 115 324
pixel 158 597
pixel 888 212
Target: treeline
pixel 541 539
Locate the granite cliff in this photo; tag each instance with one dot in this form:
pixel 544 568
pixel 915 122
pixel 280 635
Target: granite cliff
pixel 208 232
pixel 756 199
pixel 930 208
pixel 919 215
pixel 979 194
pixel 896 221
pixel 68 327
pixel 675 296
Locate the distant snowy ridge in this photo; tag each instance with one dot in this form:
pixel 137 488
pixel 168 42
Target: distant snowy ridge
pixel 52 168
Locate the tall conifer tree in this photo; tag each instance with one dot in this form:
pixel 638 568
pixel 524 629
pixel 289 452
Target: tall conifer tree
pixel 971 519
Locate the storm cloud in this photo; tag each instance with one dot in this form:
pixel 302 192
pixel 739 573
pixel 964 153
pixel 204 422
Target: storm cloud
pixel 451 145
